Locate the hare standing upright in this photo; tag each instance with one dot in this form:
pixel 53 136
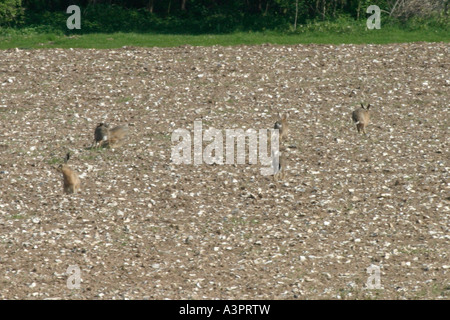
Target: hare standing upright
pixel 71 180
pixel 282 126
pixel 361 117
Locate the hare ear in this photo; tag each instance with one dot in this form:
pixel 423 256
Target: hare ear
pixel 67 157
pixel 362 106
pixel 368 106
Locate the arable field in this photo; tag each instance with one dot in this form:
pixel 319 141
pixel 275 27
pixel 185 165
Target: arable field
pixel 143 227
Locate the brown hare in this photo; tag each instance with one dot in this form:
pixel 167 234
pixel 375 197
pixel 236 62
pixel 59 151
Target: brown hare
pixel 361 117
pixel 72 182
pixel 282 126
pixel 100 134
pixel 116 136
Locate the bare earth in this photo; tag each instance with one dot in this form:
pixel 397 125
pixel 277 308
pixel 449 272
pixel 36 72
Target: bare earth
pixel 145 228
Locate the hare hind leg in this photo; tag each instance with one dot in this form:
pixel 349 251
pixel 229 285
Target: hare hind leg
pixel 359 127
pixel 363 128
pixel 69 189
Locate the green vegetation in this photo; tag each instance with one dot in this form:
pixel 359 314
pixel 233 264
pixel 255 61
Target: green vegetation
pixel 11 12
pixel 55 161
pixel 120 39
pixel 117 23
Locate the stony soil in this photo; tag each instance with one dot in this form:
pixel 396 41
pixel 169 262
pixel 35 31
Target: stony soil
pixel 145 228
